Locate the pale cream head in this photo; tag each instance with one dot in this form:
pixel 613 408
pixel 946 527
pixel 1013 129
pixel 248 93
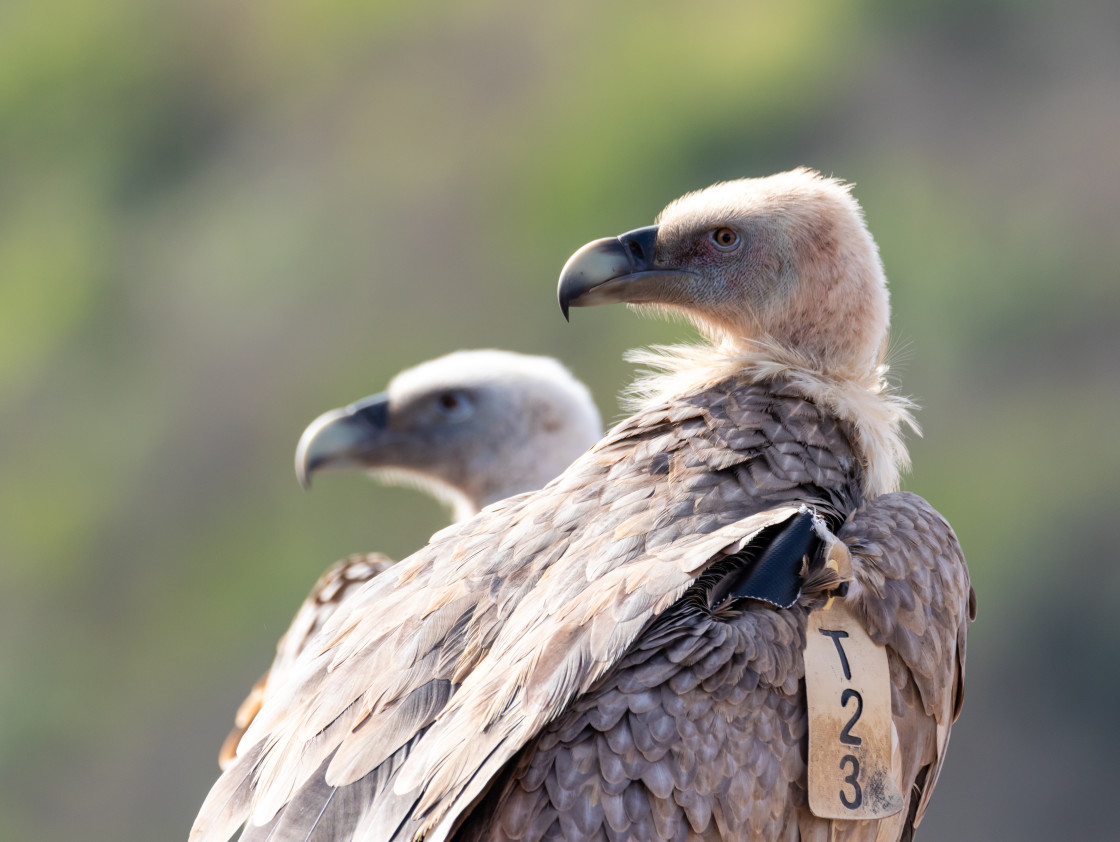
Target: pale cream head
pixel 784 260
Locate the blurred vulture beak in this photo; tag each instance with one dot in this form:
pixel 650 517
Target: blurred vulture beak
pixel 343 437
pixel 616 269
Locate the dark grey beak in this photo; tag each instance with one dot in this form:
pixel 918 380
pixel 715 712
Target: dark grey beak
pixel 614 269
pixel 342 436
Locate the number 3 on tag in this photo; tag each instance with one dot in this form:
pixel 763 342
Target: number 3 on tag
pixel 848 689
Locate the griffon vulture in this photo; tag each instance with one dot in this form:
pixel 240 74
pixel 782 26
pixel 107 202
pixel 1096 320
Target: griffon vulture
pixel 620 655
pixel 471 428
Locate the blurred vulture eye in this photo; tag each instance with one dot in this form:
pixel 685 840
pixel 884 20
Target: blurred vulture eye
pixel 725 238
pixel 453 404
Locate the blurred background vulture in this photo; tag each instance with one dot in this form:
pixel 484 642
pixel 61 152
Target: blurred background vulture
pixel 619 655
pixel 471 428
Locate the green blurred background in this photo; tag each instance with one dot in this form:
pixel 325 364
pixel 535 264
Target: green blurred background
pixel 218 219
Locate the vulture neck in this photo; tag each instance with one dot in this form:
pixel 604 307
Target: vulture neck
pixel 462 506
pixel 863 400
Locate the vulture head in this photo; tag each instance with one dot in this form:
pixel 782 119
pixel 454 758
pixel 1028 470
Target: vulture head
pixel 472 428
pixel 784 261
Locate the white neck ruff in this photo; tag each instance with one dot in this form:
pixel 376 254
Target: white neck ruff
pixel 865 401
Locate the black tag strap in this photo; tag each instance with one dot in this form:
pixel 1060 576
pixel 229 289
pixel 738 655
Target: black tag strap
pixel 775 578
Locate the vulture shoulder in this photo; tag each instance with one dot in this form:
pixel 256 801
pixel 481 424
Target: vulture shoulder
pixel 913 595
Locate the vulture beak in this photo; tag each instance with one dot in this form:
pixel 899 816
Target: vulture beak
pixel 615 269
pixel 342 436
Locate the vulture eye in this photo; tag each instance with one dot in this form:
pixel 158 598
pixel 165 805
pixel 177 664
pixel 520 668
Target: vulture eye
pixel 725 238
pixel 453 404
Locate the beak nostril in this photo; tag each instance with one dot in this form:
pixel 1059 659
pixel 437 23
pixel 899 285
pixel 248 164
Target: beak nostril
pixel 639 247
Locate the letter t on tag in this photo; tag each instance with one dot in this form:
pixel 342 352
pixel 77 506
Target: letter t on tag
pixel 847 686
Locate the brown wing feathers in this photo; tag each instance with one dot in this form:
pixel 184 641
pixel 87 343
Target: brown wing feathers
pixel 916 600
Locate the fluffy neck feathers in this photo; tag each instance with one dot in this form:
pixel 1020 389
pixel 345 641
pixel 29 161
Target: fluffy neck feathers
pixel 864 401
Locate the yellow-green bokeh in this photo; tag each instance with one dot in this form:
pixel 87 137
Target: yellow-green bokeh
pixel 219 219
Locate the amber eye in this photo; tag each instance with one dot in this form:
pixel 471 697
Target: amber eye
pixel 725 238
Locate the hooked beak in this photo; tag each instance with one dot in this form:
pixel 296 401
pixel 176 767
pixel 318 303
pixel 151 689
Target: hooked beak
pixel 342 437
pixel 615 269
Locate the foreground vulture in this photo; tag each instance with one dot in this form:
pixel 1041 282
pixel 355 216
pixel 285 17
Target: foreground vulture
pixel 621 655
pixel 470 428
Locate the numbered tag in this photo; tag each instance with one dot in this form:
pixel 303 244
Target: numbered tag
pixel 847 685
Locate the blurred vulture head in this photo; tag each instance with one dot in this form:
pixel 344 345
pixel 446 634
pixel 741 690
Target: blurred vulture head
pixel 471 428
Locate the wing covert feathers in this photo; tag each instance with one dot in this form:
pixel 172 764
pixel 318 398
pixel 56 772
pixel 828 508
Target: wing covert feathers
pixel 552 667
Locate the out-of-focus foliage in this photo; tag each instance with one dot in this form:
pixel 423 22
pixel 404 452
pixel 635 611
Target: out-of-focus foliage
pixel 219 219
